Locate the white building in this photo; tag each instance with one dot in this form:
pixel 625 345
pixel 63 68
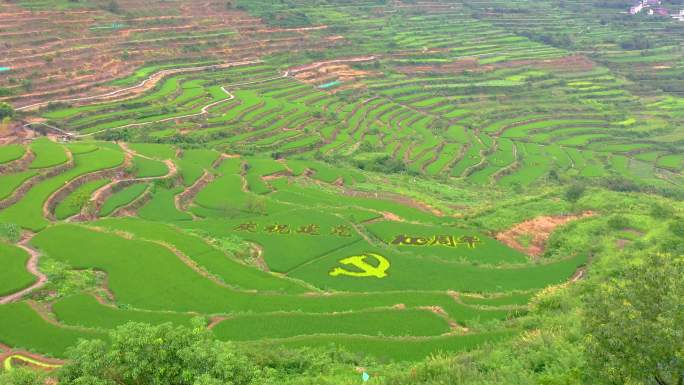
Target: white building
pixel 679 16
pixel 636 9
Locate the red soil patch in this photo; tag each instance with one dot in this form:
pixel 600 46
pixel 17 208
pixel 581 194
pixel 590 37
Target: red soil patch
pixel 313 66
pixel 329 71
pixel 621 243
pixel 578 275
pixel 439 311
pixel 455 66
pixel 15 132
pixel 183 200
pixel 539 229
pixel 303 29
pixel 277 175
pixel 215 321
pixel 391 216
pixel 257 258
pixel 341 72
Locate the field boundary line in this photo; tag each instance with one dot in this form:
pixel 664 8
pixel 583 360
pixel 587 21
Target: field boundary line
pixel 323 255
pixel 32 267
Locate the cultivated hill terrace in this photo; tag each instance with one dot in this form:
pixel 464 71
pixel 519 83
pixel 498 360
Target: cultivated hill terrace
pixel 390 177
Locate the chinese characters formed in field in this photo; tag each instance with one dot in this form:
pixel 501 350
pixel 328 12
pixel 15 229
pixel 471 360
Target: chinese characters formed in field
pixel 470 241
pixel 341 230
pixel 282 228
pixel 310 229
pixel 249 226
pixel 277 229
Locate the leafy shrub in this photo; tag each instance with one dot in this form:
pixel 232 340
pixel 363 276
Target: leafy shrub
pixel 21 376
pixel 6 111
pixel 574 192
pixel 10 232
pixel 677 227
pixel 618 222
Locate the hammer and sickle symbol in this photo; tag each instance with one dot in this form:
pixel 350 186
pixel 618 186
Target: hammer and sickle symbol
pixel 367 270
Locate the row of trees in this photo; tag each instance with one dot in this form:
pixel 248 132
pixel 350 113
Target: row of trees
pixel 141 354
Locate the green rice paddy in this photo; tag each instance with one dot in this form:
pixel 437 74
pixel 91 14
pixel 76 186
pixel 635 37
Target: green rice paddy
pixel 360 210
pixel 14 276
pixel 262 261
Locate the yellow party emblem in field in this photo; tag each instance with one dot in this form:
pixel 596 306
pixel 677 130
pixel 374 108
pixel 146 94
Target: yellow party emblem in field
pixel 367 269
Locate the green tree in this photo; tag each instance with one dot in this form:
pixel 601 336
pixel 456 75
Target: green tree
pixel 635 325
pixel 618 222
pixel 660 211
pixel 6 111
pixel 80 201
pixel 574 193
pixel 113 7
pixel 677 227
pixel 22 376
pixel 159 355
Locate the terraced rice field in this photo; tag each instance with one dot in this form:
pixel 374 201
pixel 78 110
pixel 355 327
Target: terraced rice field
pixel 317 266
pixel 444 110
pixel 271 193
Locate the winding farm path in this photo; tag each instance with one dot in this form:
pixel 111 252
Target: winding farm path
pixel 145 85
pixel 98 198
pixel 203 111
pixel 183 199
pixel 121 176
pixel 32 267
pixel 155 78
